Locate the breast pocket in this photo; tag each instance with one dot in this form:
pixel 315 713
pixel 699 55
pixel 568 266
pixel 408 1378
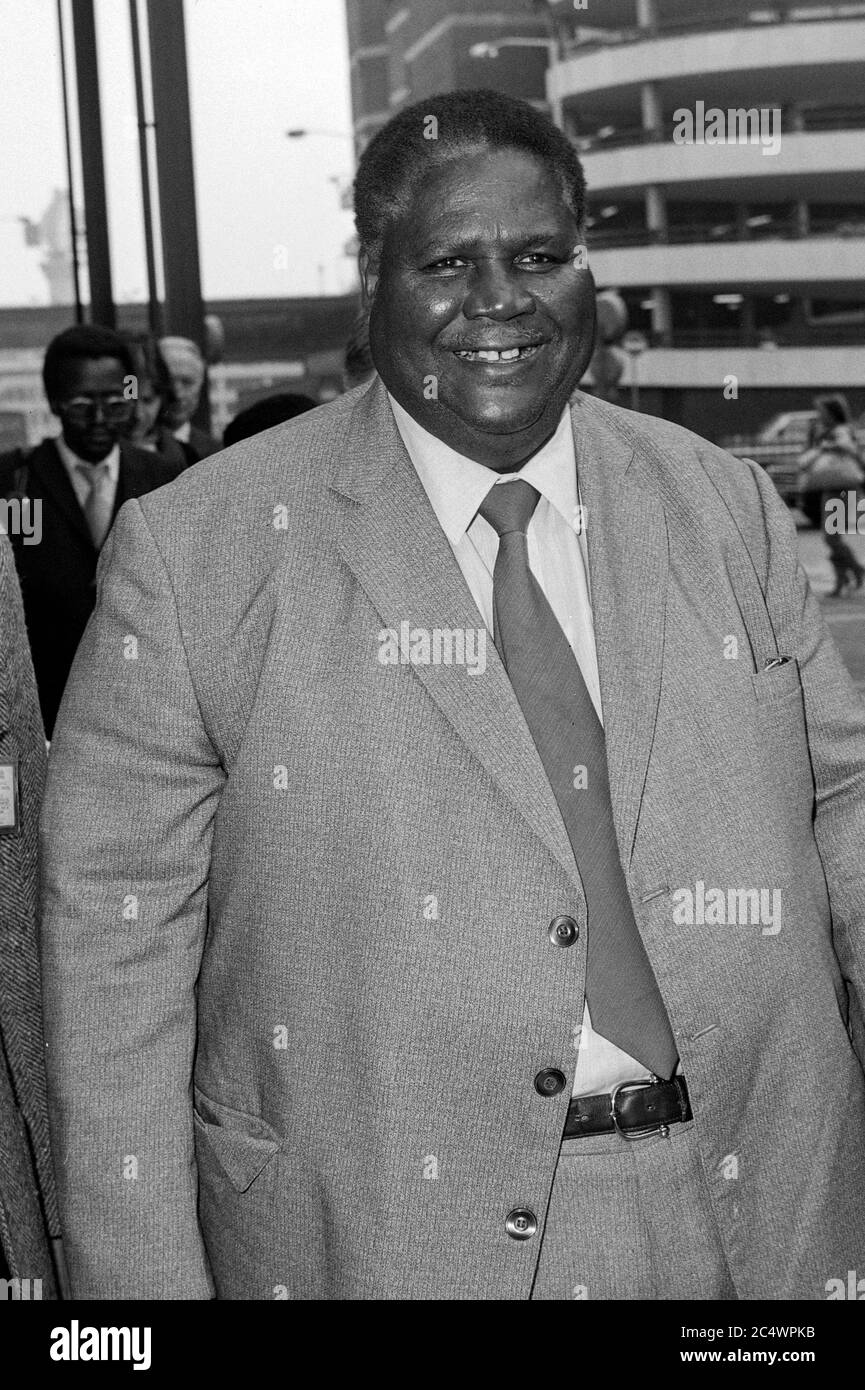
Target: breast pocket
pixel 241 1144
pixel 779 683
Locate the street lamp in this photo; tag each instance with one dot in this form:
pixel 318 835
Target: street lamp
pixel 299 133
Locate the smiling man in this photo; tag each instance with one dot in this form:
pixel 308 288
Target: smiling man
pixel 370 978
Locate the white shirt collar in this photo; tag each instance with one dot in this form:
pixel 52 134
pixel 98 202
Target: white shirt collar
pixel 183 432
pixel 71 460
pixel 456 485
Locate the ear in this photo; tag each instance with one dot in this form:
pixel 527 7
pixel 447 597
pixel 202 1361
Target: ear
pixel 368 269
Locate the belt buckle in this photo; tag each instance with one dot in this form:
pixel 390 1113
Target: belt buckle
pixel 641 1131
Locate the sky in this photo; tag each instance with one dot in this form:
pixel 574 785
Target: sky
pixel 269 218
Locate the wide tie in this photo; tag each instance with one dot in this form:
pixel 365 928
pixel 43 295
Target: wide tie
pixel 624 1000
pixel 100 503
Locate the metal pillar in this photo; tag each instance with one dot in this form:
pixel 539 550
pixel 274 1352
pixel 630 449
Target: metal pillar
pixel 92 164
pixel 184 311
pixel 154 308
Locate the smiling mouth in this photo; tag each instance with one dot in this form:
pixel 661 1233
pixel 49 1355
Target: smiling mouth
pixel 514 354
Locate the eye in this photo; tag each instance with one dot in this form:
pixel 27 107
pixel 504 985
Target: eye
pixel 540 259
pixel 447 263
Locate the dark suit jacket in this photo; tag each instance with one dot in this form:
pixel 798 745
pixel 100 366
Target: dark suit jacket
pixel 199 446
pixel 58 575
pixel 28 1201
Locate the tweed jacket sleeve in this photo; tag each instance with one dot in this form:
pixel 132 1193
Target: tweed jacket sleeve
pixel 835 721
pixel 133 786
pixel 22 743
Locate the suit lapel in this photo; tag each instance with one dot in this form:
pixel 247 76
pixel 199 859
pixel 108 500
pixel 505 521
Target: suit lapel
pixel 46 467
pixel 627 539
pixel 393 544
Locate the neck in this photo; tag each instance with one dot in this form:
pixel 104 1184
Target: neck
pixel 502 453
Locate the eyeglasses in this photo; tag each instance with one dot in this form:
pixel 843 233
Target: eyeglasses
pixel 82 409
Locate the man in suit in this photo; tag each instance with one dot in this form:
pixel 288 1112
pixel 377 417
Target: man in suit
pixel 76 484
pixel 29 1219
pixel 386 962
pixel 187 370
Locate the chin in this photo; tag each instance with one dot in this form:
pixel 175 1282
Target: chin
pixel 501 418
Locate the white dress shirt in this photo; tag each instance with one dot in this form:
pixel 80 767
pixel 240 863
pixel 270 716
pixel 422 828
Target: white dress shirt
pixel 72 463
pixel 558 558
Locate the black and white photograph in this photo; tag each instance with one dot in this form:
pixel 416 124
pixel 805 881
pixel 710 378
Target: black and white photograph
pixel 432 670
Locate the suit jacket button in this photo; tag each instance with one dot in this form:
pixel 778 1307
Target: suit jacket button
pixel 521 1223
pixel 550 1081
pixel 563 931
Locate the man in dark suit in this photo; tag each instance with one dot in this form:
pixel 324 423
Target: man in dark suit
pixel 186 367
pixel 28 1199
pixel 75 484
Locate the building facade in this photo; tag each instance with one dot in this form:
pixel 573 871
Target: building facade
pixel 403 50
pixel 724 148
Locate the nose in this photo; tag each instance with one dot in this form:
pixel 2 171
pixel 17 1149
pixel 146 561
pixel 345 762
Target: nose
pixel 496 292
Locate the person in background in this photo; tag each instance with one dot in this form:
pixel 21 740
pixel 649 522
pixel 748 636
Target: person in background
pixel 263 414
pixel 186 367
pixel 847 568
pixel 77 484
pixel 29 1219
pixel 358 366
pixel 832 461
pixel 154 397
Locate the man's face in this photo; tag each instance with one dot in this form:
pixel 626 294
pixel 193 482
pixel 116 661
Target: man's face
pixel 187 376
pixel 483 259
pixel 91 406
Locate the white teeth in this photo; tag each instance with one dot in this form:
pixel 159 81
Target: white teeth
pixel 492 355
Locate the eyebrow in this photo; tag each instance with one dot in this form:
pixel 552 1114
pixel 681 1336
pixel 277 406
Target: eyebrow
pixel 457 244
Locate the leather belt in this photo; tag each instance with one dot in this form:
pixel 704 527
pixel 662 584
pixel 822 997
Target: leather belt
pixel 635 1109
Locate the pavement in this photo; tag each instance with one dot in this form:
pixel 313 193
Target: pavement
pixel 845 616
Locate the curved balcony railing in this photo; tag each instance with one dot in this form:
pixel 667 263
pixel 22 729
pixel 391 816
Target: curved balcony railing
pixel 573 44
pixel 609 238
pixel 814 121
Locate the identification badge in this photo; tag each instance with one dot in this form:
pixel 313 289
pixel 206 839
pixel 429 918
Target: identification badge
pixel 10 817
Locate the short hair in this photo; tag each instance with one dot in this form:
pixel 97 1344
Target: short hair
pixel 399 157
pixel 261 415
pixel 83 342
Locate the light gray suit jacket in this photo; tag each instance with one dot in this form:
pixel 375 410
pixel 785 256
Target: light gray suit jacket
pixel 298 972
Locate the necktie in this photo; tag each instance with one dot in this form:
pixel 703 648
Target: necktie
pixel 624 1000
pixel 100 503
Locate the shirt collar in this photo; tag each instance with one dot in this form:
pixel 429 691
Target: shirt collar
pixel 183 432
pixel 71 461
pixel 456 485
